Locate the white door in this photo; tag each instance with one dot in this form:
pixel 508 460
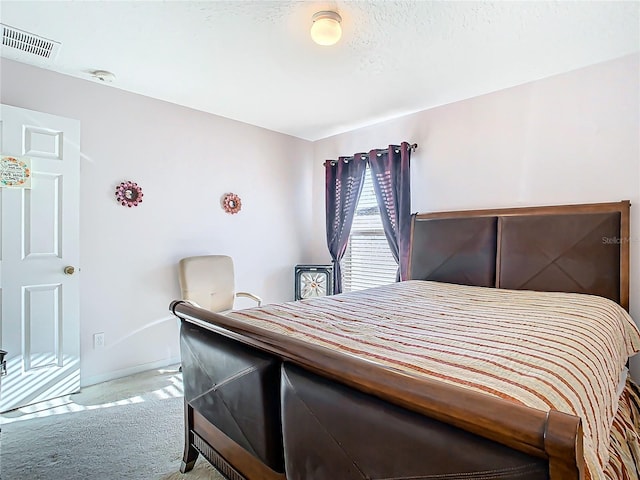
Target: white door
pixel 40 326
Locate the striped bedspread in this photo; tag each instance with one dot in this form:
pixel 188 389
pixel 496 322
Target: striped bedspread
pixel 624 449
pixel 541 349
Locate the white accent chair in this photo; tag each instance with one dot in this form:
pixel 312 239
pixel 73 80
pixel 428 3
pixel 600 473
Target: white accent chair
pixel 208 281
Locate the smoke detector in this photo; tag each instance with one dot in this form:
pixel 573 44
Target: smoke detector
pixel 103 75
pixel 27 47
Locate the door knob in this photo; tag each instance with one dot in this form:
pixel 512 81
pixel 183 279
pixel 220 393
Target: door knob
pixel 69 270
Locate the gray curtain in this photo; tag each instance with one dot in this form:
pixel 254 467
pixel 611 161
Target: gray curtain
pixel 392 185
pixel 344 179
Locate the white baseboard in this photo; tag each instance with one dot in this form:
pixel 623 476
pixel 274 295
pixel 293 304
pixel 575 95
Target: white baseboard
pixel 125 372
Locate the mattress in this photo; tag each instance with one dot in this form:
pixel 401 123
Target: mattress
pixel 545 350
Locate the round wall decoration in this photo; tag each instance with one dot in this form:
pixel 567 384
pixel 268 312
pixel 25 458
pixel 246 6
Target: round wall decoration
pixel 14 172
pixel 129 194
pixel 231 203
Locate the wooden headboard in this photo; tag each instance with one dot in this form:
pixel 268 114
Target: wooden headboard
pixel 568 248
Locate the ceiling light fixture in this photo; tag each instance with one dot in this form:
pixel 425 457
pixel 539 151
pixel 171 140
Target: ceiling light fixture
pixel 326 28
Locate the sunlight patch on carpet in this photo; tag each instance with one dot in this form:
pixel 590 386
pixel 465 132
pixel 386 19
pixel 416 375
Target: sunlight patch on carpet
pixel 94 399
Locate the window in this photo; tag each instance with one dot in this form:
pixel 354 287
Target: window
pixel 368 261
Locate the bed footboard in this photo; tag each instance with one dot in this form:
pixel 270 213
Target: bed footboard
pixel 331 431
pixel 231 398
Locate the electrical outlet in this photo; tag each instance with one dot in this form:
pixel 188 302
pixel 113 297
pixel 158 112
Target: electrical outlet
pixel 98 340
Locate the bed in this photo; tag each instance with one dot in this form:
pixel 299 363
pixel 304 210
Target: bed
pixel 502 357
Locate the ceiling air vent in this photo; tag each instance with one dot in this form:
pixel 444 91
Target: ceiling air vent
pixel 28 43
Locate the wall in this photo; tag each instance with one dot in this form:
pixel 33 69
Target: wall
pixel 184 160
pixel 571 138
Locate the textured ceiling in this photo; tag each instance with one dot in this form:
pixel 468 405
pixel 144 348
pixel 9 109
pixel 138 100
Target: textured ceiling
pixel 254 61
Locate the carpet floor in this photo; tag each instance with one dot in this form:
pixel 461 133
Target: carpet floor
pixel 129 428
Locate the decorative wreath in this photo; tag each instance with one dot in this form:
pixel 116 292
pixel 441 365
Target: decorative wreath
pixel 129 194
pixel 231 203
